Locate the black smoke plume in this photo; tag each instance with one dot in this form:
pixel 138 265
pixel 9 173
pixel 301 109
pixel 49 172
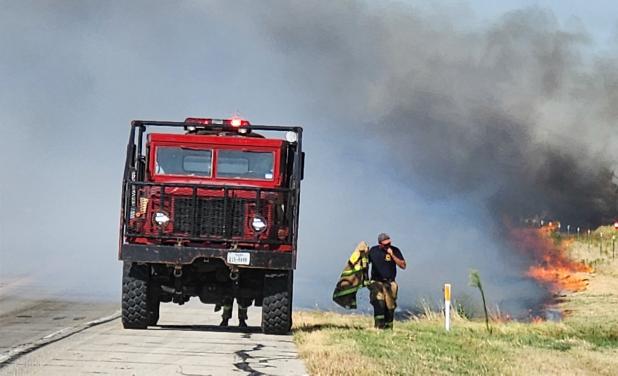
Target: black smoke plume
pixel 518 112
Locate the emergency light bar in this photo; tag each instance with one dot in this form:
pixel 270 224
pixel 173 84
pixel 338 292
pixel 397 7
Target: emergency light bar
pixel 241 125
pixel 234 122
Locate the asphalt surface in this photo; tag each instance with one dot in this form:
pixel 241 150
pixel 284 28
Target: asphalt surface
pixel 55 337
pixel 24 321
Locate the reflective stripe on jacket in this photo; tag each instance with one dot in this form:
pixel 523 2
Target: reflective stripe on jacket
pixel 353 277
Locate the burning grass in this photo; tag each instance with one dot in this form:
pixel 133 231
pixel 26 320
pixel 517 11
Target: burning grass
pixel 551 265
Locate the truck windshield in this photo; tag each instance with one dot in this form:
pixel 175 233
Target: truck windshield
pixel 183 161
pixel 243 164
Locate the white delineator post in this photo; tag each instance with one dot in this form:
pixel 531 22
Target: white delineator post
pixel 447 306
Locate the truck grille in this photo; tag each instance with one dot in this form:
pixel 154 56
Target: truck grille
pixel 210 218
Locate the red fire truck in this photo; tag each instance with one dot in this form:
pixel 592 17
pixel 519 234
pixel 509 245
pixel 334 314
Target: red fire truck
pixel 210 209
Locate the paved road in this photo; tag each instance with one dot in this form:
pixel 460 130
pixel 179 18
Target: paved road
pixel 185 343
pixel 24 321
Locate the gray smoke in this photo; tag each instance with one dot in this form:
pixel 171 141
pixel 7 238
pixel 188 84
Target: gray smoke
pixel 416 124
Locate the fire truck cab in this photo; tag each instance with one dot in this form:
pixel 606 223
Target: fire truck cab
pixel 210 209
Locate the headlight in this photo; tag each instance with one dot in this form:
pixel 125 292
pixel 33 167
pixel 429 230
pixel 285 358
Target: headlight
pixel 258 223
pixel 161 218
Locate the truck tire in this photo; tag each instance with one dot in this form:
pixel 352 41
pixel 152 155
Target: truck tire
pixel 135 292
pixel 277 303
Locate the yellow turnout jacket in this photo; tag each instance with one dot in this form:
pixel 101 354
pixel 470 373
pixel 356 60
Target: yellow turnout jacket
pixel 353 277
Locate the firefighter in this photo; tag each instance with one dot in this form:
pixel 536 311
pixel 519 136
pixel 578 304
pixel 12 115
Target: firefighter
pixel 226 315
pixel 384 259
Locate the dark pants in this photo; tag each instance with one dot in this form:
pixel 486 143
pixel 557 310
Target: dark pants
pixel 383 297
pixel 242 308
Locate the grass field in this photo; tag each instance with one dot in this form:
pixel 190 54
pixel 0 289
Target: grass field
pixel 584 343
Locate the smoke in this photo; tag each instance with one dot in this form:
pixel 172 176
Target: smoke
pixel 417 124
pixel 517 112
pixel 516 117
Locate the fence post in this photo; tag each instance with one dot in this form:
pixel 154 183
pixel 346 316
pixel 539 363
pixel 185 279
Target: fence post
pixel 447 306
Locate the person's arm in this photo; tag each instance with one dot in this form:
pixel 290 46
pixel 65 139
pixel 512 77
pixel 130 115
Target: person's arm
pixel 400 262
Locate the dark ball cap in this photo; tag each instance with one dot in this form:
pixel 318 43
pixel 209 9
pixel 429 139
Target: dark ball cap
pixel 382 237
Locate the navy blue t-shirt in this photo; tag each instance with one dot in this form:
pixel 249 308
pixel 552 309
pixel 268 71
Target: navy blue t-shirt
pixel 383 267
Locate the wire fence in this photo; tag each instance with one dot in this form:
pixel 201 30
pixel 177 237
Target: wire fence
pixel 603 239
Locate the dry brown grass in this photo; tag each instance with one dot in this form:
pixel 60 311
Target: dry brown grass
pixel 599 302
pixel 323 354
pixel 580 361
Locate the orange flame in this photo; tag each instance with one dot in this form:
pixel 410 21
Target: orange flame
pixel 551 265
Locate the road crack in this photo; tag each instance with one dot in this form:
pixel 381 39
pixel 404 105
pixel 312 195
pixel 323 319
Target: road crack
pixel 246 356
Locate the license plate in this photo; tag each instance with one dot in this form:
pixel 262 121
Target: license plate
pixel 238 258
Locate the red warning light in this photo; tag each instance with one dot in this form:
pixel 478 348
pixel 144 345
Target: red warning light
pixel 198 121
pixel 237 122
pixel 234 122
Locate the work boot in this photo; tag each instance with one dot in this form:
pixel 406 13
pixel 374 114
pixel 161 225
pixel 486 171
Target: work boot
pixel 242 323
pixel 224 323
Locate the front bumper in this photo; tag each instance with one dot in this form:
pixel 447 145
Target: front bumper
pixel 175 255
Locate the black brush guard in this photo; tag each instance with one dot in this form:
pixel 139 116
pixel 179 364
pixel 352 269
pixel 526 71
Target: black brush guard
pixel 214 213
